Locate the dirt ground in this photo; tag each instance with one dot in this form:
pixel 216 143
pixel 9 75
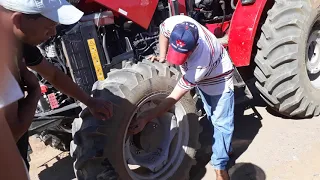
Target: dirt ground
pixel 265 145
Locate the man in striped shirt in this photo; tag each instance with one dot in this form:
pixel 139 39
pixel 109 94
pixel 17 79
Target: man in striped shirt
pixel 205 64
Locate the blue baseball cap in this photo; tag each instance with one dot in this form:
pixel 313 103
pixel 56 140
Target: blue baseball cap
pixel 183 40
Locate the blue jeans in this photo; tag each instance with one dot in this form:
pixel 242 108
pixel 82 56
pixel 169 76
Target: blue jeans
pixel 220 111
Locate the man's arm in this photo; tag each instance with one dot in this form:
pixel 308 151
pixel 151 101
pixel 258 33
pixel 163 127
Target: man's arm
pixel 11 163
pixel 166 104
pixel 21 122
pixel 178 92
pixel 163 45
pixel 60 81
pixel 20 114
pixel 99 108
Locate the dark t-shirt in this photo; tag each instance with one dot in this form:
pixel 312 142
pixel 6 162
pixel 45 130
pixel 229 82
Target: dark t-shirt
pixel 32 55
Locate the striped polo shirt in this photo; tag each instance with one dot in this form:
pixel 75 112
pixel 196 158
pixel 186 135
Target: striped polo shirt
pixel 209 67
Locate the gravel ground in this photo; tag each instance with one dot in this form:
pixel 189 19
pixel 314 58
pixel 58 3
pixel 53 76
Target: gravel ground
pixel 265 147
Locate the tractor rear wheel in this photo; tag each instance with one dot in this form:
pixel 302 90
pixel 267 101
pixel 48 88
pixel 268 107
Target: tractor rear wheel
pixel 288 58
pixel 165 149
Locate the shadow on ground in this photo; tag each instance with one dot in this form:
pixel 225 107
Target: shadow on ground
pixel 246 128
pixel 246 171
pixel 60 170
pixel 277 114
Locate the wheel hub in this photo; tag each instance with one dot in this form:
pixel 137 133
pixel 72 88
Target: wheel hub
pixel 154 142
pixel 151 137
pixel 158 151
pixel 313 63
pixel 313 56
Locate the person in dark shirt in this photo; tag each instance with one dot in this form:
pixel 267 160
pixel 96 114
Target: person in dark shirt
pixel 33 23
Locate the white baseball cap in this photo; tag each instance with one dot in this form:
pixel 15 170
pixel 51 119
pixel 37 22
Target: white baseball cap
pixel 59 11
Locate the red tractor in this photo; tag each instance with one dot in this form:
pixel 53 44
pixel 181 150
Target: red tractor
pixel 105 54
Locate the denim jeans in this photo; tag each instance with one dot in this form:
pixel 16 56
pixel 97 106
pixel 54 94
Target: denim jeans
pixel 220 111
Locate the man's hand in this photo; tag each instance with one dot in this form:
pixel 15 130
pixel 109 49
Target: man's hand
pixel 140 122
pixel 145 117
pixel 31 82
pixel 100 109
pixel 156 58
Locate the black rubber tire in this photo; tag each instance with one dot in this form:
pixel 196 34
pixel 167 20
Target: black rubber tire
pixel 281 73
pixel 97 142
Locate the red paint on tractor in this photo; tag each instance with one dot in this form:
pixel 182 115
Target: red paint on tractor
pixel 182 7
pixel 138 11
pixel 243 30
pixel 213 27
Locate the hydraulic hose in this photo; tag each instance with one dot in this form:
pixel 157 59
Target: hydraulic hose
pixel 233 6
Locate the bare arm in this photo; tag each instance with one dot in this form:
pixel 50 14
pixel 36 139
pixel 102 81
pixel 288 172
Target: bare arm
pixel 20 114
pixel 23 119
pixel 61 81
pixel 171 100
pixel 166 104
pixel 163 45
pixel 101 109
pixel 11 163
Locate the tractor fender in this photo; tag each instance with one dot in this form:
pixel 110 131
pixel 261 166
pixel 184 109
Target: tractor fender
pixel 139 11
pixel 243 29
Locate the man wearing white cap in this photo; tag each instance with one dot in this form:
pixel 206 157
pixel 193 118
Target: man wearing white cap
pixel 33 22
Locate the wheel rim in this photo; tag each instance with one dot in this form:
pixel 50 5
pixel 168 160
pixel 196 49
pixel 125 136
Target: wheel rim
pixel 313 56
pixel 150 162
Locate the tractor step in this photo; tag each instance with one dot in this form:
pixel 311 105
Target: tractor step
pixel 242 92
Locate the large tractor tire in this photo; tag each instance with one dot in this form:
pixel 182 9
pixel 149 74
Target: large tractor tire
pixel 165 149
pixel 288 58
